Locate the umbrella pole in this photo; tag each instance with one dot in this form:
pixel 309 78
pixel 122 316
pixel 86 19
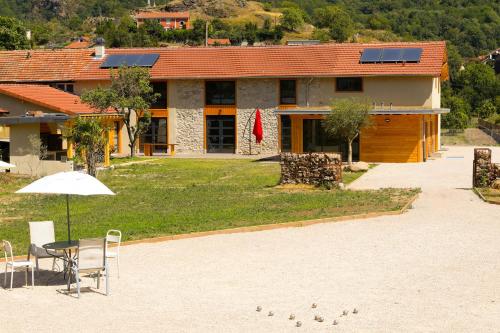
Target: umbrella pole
pixel 67 216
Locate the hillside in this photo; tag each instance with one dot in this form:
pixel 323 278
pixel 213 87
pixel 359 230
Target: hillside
pixel 471 27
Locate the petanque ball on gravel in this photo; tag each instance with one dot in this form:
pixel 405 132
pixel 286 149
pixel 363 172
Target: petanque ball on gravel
pixel 335 322
pixel 259 308
pixel 270 314
pixel 320 319
pixel 292 317
pixel 314 305
pixel 355 311
pixel 298 324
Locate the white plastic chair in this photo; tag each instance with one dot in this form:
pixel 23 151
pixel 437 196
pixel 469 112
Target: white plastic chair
pixel 114 237
pixel 42 233
pixel 7 247
pixel 91 259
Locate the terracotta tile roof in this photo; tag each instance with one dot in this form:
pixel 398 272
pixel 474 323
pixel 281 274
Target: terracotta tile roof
pixel 46 96
pixel 3 111
pixel 220 41
pixel 327 60
pixel 158 15
pixel 43 65
pixel 277 61
pixel 78 44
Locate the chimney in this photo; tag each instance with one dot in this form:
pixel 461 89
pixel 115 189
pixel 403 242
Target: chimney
pixel 100 51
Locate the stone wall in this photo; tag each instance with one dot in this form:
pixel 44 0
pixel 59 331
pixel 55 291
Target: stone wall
pixel 186 99
pixel 484 172
pixel 312 169
pixel 261 94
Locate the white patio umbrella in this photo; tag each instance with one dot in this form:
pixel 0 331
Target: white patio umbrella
pixel 5 165
pixel 68 183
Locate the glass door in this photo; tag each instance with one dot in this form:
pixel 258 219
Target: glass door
pixel 221 134
pixel 156 136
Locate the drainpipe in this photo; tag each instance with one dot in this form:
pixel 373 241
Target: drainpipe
pixel 308 84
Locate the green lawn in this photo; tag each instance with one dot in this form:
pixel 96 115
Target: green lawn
pixel 492 195
pixel 173 196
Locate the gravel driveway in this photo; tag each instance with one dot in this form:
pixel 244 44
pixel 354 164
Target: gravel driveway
pixel 434 269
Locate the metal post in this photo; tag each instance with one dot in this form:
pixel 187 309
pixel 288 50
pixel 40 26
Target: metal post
pixel 67 215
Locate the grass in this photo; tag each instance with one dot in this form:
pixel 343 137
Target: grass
pixel 491 195
pixel 173 196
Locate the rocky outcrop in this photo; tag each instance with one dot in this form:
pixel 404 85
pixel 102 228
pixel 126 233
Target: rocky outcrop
pixel 214 8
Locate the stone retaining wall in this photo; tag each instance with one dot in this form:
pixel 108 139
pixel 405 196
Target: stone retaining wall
pixel 484 172
pixel 312 169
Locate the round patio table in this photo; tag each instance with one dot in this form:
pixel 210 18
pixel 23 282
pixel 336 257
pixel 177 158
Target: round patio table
pixel 69 256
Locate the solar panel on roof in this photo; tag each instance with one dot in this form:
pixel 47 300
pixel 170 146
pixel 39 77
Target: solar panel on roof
pixel 411 55
pixel 147 60
pixel 371 55
pixel 391 55
pixel 140 60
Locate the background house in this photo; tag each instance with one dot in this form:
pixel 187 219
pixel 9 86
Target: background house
pixel 168 20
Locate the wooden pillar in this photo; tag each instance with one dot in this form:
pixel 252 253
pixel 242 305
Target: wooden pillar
pixel 107 162
pixel 69 149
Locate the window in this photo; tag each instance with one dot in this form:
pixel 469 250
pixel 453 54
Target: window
pixel 161 100
pixel 288 92
pixel 286 134
pixel 67 87
pixel 220 93
pixel 349 84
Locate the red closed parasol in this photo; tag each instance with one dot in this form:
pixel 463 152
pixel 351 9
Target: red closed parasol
pixel 257 127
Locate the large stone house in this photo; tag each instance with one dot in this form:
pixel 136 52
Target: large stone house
pixel 209 95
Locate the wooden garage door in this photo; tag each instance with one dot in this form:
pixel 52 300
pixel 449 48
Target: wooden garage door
pixel 395 138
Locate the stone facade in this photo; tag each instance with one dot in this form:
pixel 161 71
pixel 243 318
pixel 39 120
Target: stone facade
pixel 261 94
pixel 186 98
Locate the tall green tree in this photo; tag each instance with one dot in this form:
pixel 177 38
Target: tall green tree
pixel 477 83
pixel 12 34
pixel 346 120
pixel 292 19
pixel 336 20
pixel 90 140
pixel 129 95
pixel 458 118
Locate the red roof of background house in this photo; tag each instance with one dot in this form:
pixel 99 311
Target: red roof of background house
pixel 43 65
pixel 159 15
pixel 46 96
pixel 327 60
pixel 220 41
pixel 3 111
pixel 80 43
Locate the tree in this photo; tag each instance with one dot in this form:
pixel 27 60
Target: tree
pixel 89 137
pixel 292 19
pixel 346 119
pixel 129 95
pixel 458 118
pixel 486 109
pixel 12 34
pixel 477 83
pixel 337 21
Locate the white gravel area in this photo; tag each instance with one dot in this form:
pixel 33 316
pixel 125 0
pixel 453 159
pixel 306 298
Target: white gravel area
pixel 434 269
